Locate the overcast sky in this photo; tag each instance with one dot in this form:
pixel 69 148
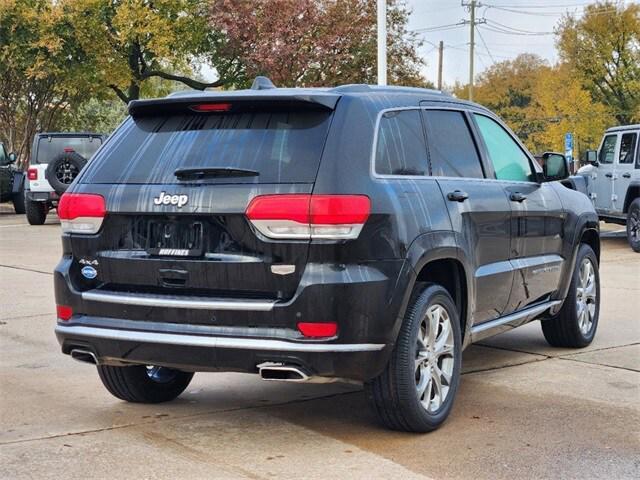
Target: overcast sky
pixel 529 22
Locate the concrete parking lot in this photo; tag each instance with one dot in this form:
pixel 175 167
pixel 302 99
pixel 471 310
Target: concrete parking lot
pixel 524 410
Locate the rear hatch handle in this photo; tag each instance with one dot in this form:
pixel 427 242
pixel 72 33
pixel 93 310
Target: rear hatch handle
pixel 173 278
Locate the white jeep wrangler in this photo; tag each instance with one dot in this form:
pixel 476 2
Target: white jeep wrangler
pixel 612 178
pixel 56 160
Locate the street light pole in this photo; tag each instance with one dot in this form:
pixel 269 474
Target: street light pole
pixel 382 42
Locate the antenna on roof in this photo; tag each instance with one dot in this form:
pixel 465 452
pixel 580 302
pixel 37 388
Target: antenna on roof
pixel 262 83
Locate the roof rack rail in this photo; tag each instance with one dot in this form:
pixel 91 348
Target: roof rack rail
pixel 262 83
pixel 352 87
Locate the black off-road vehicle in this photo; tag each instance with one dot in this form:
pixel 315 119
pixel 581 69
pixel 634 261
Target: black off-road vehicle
pixel 362 233
pixel 11 180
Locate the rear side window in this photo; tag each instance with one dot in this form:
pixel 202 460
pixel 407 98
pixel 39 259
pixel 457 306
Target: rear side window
pixel 508 159
pixel 283 147
pixel 452 151
pixel 627 147
pixel 51 147
pixel 401 148
pixel 608 150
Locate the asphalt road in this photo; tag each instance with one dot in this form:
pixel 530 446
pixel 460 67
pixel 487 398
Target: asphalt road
pixel 524 410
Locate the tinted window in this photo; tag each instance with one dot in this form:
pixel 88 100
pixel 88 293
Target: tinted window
pixel 401 149
pixel 50 147
pixel 508 159
pixel 452 152
pixel 627 147
pixel 3 156
pixel 608 149
pixel 284 147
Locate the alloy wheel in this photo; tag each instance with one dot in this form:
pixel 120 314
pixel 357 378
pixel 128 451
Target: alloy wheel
pixel 586 296
pixel 434 360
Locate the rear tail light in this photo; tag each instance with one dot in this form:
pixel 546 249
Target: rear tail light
pixel 81 212
pixel 304 216
pixel 64 312
pixel 32 174
pixel 318 330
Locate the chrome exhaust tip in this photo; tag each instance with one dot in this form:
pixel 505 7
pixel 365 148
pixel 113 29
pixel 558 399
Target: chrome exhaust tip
pixel 282 372
pixel 84 356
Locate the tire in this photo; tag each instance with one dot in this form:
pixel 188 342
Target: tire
pixel 141 384
pixel 19 201
pixel 63 170
pixel 633 225
pixel 570 328
pixel 394 394
pixel 36 212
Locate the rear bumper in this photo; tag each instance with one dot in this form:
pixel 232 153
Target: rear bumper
pixel 207 352
pixel 42 196
pixel 216 334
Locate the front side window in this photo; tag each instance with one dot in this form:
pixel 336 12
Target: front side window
pixel 508 159
pixel 627 147
pixel 452 152
pixel 608 149
pixel 401 149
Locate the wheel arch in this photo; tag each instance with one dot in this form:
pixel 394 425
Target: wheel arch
pixel 433 257
pixel 633 192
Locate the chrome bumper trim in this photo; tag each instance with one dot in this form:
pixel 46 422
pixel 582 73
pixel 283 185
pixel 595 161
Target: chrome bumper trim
pixel 215 342
pixel 175 301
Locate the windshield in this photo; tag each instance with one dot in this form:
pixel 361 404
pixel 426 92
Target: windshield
pixel 282 147
pixel 50 147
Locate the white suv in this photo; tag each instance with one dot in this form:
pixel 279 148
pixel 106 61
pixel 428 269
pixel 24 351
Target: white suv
pixel 56 160
pixel 613 179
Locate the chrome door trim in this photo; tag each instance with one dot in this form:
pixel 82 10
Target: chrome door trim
pixel 502 324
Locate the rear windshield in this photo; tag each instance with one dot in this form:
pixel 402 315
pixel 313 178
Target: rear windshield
pixel 50 147
pixel 283 147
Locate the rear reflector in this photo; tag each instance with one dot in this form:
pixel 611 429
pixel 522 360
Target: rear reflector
pixel 81 212
pixel 304 216
pixel 318 330
pixel 64 312
pixel 32 174
pixel 211 107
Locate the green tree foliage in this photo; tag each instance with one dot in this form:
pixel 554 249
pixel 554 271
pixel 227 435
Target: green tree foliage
pixel 313 42
pixel 603 50
pixel 43 72
pixel 541 103
pixel 129 42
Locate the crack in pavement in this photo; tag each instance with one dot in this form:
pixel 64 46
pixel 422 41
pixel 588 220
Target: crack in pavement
pixel 26 269
pixel 599 364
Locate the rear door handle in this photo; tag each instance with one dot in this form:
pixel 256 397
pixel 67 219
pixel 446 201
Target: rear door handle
pixel 626 175
pixel 518 197
pixel 608 175
pixel 457 196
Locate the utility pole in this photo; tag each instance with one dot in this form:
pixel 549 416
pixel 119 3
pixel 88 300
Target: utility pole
pixel 382 42
pixel 471 7
pixel 440 52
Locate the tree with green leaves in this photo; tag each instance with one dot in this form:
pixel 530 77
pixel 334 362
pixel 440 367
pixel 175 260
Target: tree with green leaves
pixel 130 42
pixel 603 49
pixel 43 72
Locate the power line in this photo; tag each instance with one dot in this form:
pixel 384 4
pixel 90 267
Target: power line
pixel 485 46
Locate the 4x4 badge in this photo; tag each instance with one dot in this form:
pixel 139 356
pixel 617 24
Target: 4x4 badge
pixel 166 199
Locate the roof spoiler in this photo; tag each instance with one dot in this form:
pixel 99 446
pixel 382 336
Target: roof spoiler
pixel 239 101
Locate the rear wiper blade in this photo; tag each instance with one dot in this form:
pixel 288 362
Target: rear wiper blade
pixel 202 172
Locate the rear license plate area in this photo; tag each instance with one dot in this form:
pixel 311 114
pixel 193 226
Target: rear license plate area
pixel 175 238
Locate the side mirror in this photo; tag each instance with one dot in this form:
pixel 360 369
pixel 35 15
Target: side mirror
pixel 13 157
pixel 555 166
pixel 591 156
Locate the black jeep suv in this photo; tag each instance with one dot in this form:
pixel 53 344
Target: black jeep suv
pixel 362 233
